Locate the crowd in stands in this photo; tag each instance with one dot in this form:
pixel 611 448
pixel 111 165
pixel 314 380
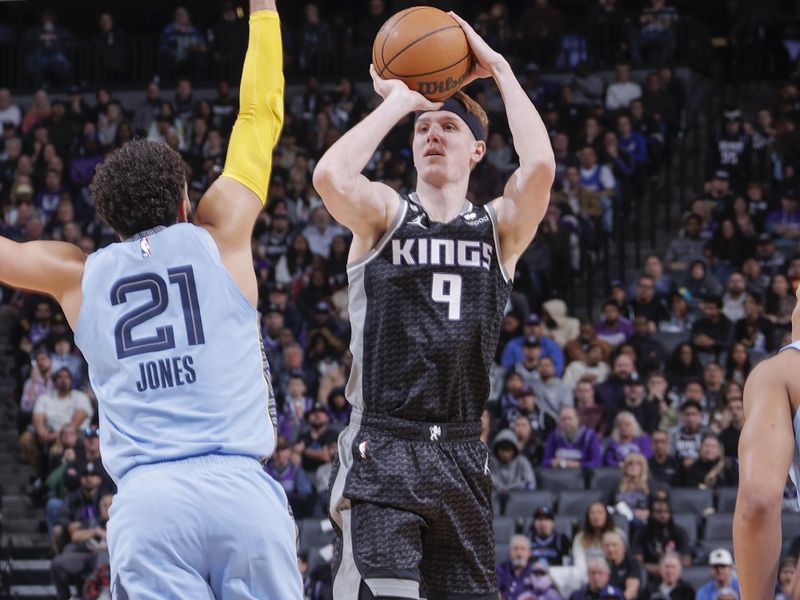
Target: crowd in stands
pixel 648 391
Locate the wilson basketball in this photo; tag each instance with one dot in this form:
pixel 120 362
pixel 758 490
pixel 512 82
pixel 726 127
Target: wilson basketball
pixel 426 49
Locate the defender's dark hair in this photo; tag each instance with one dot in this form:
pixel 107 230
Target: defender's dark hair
pixel 139 186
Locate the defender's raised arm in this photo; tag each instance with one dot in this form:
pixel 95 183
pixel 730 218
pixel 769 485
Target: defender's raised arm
pixel 230 207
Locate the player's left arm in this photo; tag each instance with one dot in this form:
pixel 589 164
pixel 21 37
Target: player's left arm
pixel 527 193
pixel 231 206
pixel 765 454
pixel 49 267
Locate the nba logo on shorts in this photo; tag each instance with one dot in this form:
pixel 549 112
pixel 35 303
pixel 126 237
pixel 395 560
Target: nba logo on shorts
pixel 146 251
pixel 436 433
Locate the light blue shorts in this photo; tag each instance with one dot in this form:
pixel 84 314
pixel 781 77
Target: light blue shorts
pixel 202 528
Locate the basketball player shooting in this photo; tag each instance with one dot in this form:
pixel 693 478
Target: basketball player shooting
pixel 769 447
pixel 166 319
pixel 429 276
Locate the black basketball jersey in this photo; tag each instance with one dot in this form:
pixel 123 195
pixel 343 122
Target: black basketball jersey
pixel 426 307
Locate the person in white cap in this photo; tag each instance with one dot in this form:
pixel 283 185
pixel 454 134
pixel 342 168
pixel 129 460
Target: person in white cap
pixel 721 563
pixel 767 451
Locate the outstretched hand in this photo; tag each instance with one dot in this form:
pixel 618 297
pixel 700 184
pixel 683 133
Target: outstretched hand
pixel 394 87
pixel 486 59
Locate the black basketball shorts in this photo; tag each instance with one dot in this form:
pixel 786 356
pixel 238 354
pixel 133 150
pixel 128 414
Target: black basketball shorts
pixel 412 505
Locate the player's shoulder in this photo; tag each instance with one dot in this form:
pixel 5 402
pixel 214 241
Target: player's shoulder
pixel 775 370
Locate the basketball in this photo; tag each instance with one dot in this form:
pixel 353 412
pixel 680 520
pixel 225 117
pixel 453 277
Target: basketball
pixel 426 49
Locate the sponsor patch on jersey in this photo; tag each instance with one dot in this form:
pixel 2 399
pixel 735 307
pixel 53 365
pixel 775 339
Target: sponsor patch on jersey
pixel 473 221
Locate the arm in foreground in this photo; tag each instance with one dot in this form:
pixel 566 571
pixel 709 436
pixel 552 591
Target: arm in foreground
pixel 53 268
pixel 527 193
pixel 231 206
pixel 359 204
pixel 765 453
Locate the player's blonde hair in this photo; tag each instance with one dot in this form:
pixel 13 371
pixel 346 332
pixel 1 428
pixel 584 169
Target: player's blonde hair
pixel 474 109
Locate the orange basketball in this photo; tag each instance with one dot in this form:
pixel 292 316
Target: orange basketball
pixel 426 49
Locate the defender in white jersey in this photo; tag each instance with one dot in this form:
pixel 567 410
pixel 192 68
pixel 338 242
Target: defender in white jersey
pixel 166 319
pixel 769 447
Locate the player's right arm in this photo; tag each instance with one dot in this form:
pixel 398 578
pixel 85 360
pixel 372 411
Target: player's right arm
pixel 363 206
pixel 52 268
pixel 765 454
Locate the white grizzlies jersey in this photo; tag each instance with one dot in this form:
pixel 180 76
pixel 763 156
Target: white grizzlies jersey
pixel 174 352
pixel 794 469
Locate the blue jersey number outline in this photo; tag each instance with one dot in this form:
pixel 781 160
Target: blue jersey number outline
pixel 164 337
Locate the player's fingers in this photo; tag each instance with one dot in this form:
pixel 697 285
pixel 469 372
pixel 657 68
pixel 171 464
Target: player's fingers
pixel 464 25
pixel 428 105
pixel 373 73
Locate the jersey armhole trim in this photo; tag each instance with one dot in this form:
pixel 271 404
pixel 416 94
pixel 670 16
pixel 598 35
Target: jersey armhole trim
pixel 399 217
pixel 214 253
pixel 79 325
pixel 497 250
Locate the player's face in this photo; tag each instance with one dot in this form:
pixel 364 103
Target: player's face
pixel 444 148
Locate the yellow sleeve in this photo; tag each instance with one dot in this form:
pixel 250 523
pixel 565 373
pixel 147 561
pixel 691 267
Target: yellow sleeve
pixel 249 159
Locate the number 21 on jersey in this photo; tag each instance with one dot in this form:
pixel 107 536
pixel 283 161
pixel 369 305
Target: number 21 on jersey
pixel 164 337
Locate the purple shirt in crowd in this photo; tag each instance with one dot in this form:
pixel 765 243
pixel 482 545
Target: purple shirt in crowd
pixel 617 451
pixel 616 334
pixel 585 448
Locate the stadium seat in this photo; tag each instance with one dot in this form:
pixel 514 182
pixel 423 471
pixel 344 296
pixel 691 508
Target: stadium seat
pixel 500 553
pixel 670 340
pixel 790 524
pixel 696 576
pixel 726 499
pixel 785 545
pixel 565 524
pixel 504 528
pixel 688 521
pixel 718 526
pixel 696 501
pixel 314 535
pixel 575 503
pixel 603 478
pixel 523 503
pixel 559 480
